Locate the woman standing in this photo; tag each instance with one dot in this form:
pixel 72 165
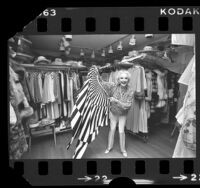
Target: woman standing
pixel 120 103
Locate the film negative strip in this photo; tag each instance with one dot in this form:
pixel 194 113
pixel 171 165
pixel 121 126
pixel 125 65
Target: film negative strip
pixel 68 62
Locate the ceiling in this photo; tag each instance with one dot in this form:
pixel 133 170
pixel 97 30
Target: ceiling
pixel 48 45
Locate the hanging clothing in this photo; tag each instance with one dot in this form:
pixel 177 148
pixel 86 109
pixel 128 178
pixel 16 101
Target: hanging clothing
pixel 38 88
pixel 149 84
pixel 162 88
pixel 71 103
pixel 51 88
pixel 52 92
pixel 154 95
pixel 62 92
pixel 148 75
pixel 113 77
pixel 53 111
pixel 137 115
pixel 105 76
pixel 184 79
pixel 186 142
pixel 57 93
pixel 181 96
pixel 89 113
pixel 32 88
pixel 45 94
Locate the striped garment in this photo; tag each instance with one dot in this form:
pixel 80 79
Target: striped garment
pixel 89 113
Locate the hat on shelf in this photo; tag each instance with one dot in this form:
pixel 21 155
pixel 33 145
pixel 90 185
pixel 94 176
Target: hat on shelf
pixel 42 60
pixel 147 49
pixel 133 53
pixel 58 61
pixel 80 64
pixel 46 121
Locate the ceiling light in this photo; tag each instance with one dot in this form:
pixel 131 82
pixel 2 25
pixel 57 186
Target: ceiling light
pixel 93 54
pixel 62 48
pixel 110 51
pixel 19 41
pixel 119 47
pixel 67 52
pixel 132 41
pixel 103 53
pixel 68 37
pixel 149 35
pixel 82 53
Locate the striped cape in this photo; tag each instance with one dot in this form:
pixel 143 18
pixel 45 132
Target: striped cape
pixel 91 111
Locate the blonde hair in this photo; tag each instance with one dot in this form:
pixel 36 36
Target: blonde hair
pixel 123 72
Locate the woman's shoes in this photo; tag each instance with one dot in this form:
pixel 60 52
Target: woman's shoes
pixel 108 150
pixel 124 153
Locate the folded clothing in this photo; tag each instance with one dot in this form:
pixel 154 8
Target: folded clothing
pixel 46 121
pixel 34 125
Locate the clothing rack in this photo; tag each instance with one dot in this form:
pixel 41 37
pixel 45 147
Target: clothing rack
pixel 49 68
pixel 147 61
pixel 52 67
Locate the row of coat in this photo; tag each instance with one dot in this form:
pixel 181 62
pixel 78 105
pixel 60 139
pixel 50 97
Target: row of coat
pixel 52 93
pixel 159 88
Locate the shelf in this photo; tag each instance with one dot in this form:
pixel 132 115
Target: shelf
pixel 64 130
pixel 24 55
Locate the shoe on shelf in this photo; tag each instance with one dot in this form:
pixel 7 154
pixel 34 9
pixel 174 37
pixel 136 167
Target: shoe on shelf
pixel 124 153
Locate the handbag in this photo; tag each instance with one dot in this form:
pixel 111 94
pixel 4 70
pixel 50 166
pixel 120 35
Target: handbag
pixel 117 110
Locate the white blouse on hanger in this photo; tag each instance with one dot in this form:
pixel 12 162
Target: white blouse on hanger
pixel 185 146
pixel 184 79
pixel 13 118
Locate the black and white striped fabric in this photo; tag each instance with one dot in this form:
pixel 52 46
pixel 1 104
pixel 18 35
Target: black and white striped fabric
pixel 89 113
